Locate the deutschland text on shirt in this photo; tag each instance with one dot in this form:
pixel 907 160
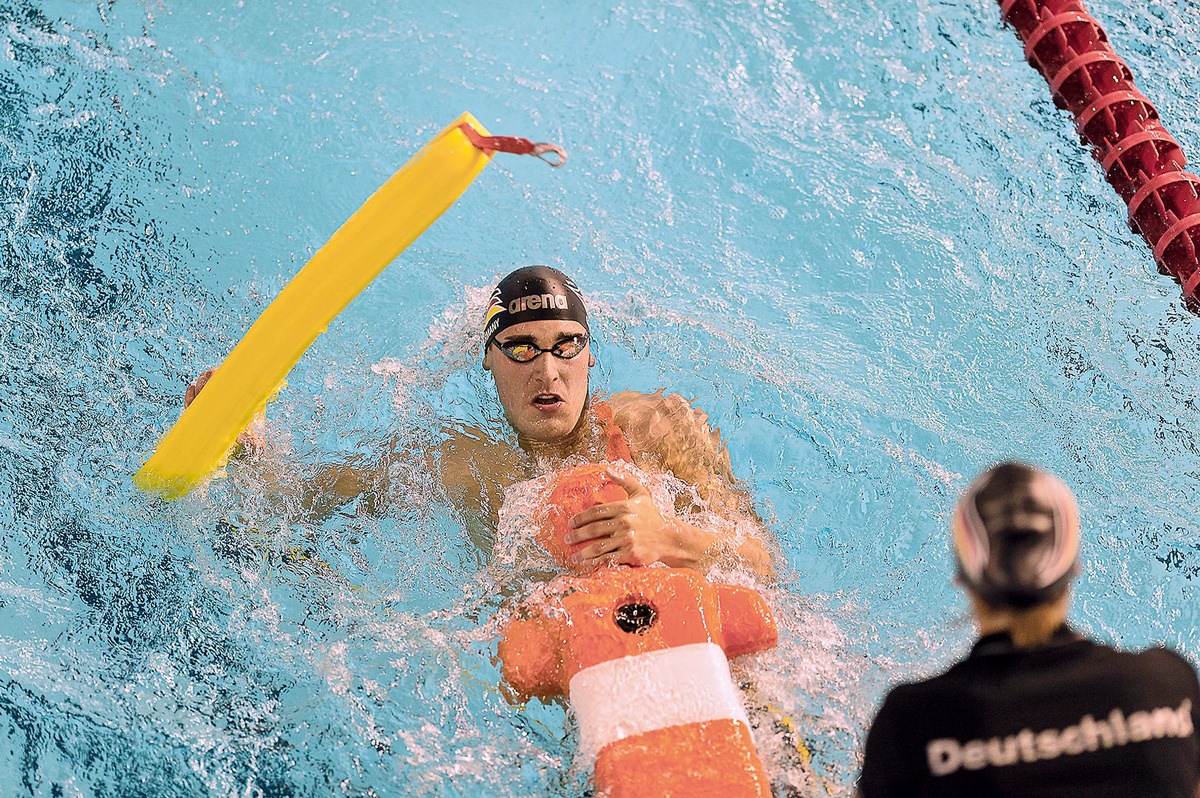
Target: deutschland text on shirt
pixel 947 755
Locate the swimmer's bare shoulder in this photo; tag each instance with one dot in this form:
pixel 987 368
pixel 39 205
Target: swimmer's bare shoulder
pixel 474 469
pixel 666 433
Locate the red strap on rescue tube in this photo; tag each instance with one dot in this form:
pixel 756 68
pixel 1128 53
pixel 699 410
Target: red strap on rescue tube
pixel 515 145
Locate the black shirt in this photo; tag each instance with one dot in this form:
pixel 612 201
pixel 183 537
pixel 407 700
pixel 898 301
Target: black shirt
pixel 1069 718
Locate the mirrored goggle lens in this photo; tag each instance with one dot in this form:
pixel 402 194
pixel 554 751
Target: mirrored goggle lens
pixel 569 348
pixel 523 351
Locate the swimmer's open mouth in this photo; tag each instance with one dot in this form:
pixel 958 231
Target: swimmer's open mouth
pixel 547 401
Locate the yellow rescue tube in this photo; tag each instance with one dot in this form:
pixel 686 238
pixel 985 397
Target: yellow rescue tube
pixel 393 217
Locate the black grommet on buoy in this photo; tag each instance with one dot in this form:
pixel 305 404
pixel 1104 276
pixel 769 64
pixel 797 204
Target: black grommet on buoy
pixel 635 618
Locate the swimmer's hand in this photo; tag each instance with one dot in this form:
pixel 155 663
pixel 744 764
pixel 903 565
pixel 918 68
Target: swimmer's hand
pixel 251 440
pixel 627 532
pixel 634 532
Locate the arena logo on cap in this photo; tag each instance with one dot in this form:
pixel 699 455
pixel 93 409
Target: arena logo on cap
pixel 537 302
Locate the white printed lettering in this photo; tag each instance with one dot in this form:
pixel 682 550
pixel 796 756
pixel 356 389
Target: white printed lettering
pixel 1047 744
pixel 537 302
pixel 1025 740
pixel 1071 741
pixel 1164 722
pixel 946 755
pixel 975 755
pixel 1095 732
pixel 1139 727
pixel 1117 719
pixel 1002 756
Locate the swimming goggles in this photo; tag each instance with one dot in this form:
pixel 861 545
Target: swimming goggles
pixel 526 352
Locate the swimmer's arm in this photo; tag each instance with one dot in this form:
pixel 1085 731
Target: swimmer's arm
pixel 635 532
pixel 474 470
pixel 318 494
pixel 334 486
pixel 666 433
pixel 698 549
pixel 735 506
pixel 277 479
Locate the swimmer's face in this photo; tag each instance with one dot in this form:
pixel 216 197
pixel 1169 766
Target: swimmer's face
pixel 544 398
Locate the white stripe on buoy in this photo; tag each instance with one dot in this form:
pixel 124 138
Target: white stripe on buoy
pixel 647 692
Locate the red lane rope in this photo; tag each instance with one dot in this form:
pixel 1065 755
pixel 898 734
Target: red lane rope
pixel 1141 160
pixel 550 153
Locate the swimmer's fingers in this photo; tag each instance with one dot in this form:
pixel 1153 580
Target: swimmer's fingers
pixel 249 440
pixel 637 492
pixel 631 484
pixel 599 530
pixel 593 555
pixel 197 386
pixel 601 512
pixel 612 549
pixel 640 504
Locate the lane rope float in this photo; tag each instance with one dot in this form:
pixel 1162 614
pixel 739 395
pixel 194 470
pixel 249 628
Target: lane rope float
pixel 412 199
pixel 1141 160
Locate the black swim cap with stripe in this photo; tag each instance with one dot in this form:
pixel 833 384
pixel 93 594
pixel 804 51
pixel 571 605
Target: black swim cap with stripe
pixel 532 293
pixel 1006 556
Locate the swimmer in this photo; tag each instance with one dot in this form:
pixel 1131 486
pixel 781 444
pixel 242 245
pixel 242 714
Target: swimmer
pixel 1035 708
pixel 537 348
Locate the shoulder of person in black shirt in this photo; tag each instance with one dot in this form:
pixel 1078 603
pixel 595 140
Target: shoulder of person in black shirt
pixel 1076 718
pixel 1035 709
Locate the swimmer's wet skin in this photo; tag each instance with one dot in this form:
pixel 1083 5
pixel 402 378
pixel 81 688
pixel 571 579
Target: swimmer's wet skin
pixel 1035 708
pixel 538 352
pixel 536 337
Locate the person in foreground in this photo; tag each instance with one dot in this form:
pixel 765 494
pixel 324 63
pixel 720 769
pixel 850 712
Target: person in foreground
pixel 1035 709
pixel 537 348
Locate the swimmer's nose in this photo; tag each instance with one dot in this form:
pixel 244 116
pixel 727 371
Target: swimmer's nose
pixel 546 367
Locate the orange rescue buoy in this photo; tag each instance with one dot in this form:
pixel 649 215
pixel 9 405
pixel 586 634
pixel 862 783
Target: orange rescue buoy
pixel 642 654
pixel 575 490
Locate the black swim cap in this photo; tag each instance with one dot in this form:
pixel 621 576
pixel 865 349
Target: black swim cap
pixel 1006 560
pixel 532 293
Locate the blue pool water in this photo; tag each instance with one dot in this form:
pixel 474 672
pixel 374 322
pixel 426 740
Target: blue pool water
pixel 858 234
